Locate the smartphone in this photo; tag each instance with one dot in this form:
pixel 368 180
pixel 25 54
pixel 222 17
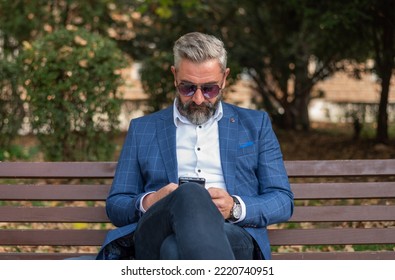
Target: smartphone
pixel 183 180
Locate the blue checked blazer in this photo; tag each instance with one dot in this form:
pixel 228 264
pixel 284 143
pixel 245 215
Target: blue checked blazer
pixel 252 166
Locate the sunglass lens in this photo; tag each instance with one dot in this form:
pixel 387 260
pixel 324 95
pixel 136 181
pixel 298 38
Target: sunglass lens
pixel 210 91
pixel 187 89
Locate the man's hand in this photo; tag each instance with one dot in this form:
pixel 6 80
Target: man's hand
pixel 154 197
pixel 222 200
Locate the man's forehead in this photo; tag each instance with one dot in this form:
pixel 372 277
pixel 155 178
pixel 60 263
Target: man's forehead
pixel 209 67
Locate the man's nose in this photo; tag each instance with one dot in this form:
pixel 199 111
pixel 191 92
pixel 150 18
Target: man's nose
pixel 198 97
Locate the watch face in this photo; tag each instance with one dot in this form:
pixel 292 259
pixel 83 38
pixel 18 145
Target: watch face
pixel 237 211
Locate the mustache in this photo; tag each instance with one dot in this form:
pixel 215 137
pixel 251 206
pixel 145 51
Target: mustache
pixel 192 105
pixel 197 114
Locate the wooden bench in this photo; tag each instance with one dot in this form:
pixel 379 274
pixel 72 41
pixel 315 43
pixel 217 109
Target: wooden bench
pixel 56 210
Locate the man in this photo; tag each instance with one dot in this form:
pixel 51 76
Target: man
pixel 235 150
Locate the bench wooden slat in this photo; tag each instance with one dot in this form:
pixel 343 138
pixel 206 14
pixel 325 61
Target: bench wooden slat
pixel 100 192
pixel 344 190
pixel 276 256
pixel 41 256
pixel 313 168
pixel 64 237
pixel 331 236
pixel 344 236
pixel 98 214
pixel 343 213
pixel 369 255
pixel 54 214
pixel 383 255
pixel 57 169
pixel 54 192
pixel 340 168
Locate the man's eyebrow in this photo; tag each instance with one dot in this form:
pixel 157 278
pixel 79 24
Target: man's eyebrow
pixel 208 83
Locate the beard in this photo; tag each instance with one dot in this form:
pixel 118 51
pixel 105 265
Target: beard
pixel 197 114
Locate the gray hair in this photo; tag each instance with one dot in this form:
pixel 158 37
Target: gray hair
pixel 199 47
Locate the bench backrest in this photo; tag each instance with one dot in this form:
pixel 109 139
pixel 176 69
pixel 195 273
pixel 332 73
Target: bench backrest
pixel 339 203
pixel 62 205
pixel 67 199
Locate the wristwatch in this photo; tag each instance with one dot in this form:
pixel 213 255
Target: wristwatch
pixel 235 212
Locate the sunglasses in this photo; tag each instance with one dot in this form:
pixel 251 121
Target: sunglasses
pixel 208 90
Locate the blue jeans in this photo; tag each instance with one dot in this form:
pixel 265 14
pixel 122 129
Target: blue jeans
pixel 187 225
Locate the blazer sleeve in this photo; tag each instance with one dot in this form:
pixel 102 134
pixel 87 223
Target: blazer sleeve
pixel 122 204
pixel 273 202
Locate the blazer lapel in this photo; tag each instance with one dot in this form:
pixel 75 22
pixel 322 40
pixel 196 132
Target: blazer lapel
pixel 166 131
pixel 228 127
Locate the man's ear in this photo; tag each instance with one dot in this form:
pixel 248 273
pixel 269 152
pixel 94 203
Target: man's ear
pixel 226 74
pixel 173 70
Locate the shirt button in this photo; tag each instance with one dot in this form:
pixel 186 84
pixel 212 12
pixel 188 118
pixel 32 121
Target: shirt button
pixel 199 170
pixel 198 149
pixel 200 126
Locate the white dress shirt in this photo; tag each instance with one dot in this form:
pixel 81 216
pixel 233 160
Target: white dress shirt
pixel 198 149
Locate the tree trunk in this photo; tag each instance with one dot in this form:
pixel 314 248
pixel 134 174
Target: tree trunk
pixel 296 114
pixel 382 120
pixel 303 119
pixel 385 53
pixel 302 97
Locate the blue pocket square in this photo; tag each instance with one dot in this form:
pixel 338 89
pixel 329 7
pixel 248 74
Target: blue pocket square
pixel 246 144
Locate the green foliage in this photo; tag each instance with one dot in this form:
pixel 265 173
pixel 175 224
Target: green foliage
pixel 11 105
pixel 71 77
pixel 157 80
pixel 17 152
pixel 22 20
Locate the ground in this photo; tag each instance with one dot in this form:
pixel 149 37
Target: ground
pixel 330 141
pixel 323 141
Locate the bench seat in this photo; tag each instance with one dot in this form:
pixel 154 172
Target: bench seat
pixel 344 209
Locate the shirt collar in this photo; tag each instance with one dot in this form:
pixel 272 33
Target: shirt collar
pixel 178 118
